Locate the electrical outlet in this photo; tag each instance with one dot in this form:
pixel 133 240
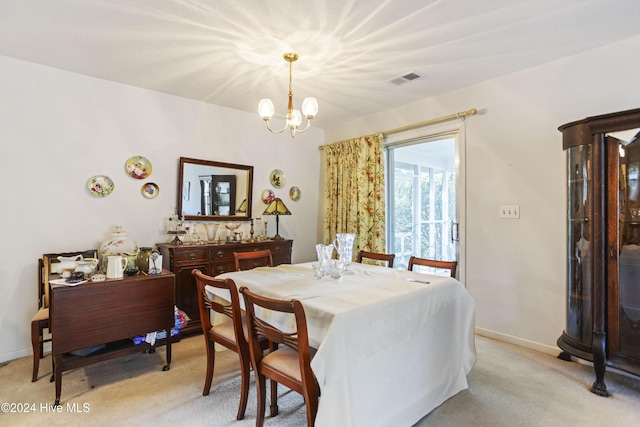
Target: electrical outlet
pixel 509 212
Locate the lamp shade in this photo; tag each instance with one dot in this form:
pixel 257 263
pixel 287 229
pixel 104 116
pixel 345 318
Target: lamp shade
pixel 266 109
pixel 276 207
pixel 310 107
pixel 296 118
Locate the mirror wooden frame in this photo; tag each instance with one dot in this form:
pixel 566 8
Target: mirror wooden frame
pixel 190 193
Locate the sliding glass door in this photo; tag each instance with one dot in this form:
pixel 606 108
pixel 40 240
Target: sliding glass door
pixel 423 198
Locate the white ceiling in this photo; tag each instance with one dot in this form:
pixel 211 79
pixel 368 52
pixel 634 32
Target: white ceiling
pixel 230 52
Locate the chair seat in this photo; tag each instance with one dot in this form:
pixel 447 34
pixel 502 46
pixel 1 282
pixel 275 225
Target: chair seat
pixel 286 361
pixel 226 331
pixel 42 314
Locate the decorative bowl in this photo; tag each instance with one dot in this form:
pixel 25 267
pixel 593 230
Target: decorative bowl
pixel 131 271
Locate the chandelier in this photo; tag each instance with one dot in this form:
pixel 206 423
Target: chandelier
pixel 294 117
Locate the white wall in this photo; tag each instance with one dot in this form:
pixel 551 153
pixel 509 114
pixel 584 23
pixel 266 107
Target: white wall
pixel 57 129
pixel 516 269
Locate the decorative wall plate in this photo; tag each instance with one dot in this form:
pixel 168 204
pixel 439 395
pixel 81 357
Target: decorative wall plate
pixel 267 196
pixel 100 185
pixel 138 167
pixel 295 193
pixel 277 178
pixel 150 190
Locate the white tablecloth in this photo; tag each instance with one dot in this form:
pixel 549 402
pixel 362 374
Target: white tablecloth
pixel 390 350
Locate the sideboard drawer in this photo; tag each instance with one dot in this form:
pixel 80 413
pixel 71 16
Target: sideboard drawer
pixel 278 249
pixel 222 267
pixel 221 254
pixel 191 255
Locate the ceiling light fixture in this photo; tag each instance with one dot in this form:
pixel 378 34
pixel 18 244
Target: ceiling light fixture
pixel 294 118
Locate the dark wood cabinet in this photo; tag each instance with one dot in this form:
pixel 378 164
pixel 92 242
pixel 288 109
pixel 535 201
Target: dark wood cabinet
pixel 603 246
pixel 211 259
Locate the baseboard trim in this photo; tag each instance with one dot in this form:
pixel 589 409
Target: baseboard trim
pixel 543 348
pixel 8 357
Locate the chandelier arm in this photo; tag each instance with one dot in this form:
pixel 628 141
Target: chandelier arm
pixel 276 131
pixel 305 128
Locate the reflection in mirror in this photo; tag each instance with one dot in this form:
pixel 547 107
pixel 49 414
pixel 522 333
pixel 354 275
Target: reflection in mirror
pixel 218 195
pixel 214 191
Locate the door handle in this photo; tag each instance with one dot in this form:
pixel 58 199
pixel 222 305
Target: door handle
pixel 455 232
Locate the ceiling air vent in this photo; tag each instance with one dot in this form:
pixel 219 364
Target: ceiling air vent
pixel 406 78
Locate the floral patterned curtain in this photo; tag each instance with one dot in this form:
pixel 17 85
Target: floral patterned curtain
pixel 355 192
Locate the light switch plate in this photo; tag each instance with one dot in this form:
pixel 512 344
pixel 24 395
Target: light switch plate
pixel 509 212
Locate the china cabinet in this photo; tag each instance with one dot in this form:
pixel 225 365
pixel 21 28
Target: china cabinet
pixel 212 259
pixel 603 243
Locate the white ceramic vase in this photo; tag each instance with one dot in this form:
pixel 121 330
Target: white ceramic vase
pixel 119 243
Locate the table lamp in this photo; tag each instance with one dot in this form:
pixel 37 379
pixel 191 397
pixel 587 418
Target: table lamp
pixel 243 207
pixel 277 208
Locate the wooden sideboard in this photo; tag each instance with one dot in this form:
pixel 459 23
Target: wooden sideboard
pixel 110 312
pixel 211 259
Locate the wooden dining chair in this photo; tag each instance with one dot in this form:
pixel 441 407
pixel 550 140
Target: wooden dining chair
pixel 40 322
pixel 433 263
pixel 388 258
pixel 231 334
pixel 250 260
pixel 288 360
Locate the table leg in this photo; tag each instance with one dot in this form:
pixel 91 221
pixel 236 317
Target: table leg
pixel 169 339
pixel 57 372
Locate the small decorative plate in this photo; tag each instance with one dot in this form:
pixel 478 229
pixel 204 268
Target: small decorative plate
pixel 277 178
pixel 267 196
pixel 150 190
pixel 138 167
pixel 295 193
pixel 100 185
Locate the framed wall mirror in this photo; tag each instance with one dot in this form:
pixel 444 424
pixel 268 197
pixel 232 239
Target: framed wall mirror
pixel 214 191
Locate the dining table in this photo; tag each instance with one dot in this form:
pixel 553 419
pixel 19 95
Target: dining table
pixel 392 344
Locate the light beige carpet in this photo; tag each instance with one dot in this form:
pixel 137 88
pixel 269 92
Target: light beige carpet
pixel 508 386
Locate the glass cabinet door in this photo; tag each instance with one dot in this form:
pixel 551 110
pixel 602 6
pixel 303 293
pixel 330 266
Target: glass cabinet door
pixel 625 320
pixel 579 192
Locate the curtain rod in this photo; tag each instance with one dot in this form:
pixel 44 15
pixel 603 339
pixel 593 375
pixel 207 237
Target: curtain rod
pixel 459 115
